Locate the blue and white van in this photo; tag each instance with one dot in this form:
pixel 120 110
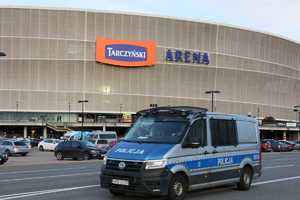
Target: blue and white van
pixel 172 150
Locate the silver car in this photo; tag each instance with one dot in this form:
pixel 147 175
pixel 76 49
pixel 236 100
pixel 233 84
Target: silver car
pixel 13 147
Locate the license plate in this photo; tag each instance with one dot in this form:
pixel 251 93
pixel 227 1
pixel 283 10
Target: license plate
pixel 120 182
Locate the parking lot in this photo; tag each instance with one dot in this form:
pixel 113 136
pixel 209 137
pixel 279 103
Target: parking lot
pixel 41 176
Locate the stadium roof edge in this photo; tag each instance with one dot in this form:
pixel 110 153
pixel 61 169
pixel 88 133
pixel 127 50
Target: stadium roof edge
pixel 148 14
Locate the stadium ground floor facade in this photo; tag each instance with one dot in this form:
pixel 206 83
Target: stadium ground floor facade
pixel 54 125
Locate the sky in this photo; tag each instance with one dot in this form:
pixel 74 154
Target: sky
pixel 279 17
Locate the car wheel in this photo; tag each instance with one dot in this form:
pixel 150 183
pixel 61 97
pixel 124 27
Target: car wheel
pixel 7 152
pixel 24 154
pixel 115 192
pixel 85 156
pixel 41 148
pixel 245 179
pixel 177 187
pixel 59 156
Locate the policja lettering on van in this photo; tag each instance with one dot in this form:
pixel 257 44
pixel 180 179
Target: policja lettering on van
pixel 130 151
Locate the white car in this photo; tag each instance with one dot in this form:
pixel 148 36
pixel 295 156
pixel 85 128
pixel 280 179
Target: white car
pixel 48 144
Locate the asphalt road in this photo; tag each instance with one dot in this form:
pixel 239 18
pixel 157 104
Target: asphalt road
pixel 79 180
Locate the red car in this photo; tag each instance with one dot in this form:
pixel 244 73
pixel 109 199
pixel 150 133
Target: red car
pixel 265 146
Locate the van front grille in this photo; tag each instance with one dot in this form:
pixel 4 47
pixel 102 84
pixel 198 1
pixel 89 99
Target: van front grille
pixel 129 165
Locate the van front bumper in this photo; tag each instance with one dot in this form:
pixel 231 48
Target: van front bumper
pixel 153 182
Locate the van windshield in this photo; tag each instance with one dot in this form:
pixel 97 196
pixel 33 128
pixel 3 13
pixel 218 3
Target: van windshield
pixel 152 130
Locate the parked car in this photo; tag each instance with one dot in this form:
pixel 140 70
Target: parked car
pixel 77 150
pixel 297 145
pixel 48 144
pixel 34 142
pixel 3 156
pixel 27 142
pixel 103 151
pixel 13 147
pixel 265 146
pixel 104 138
pixel 291 145
pixel 278 146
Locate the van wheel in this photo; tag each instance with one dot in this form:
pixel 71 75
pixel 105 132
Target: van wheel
pixel 41 148
pixel 177 187
pixel 245 179
pixel 115 192
pixel 59 156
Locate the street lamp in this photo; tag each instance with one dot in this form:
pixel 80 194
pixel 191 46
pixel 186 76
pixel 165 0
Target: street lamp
pixel 17 109
pixel 212 92
pixel 297 110
pixel 69 114
pixel 121 106
pixel 82 110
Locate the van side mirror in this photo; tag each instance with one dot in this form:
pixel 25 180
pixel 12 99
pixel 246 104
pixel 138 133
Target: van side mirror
pixel 190 145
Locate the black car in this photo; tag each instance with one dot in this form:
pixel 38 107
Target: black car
pixel 34 142
pixel 3 156
pixel 77 150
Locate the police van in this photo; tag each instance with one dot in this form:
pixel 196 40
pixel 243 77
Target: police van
pixel 172 150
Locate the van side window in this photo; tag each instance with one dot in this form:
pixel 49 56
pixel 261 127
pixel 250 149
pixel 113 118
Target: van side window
pixel 223 132
pixel 249 132
pixel 197 133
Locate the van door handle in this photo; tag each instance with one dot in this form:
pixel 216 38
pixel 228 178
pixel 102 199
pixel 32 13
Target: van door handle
pixel 215 151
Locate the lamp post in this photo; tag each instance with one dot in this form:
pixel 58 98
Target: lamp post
pixel 17 110
pixel 212 92
pixel 82 111
pixel 121 106
pixel 297 110
pixel 69 107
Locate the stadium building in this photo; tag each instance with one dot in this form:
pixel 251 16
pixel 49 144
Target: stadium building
pixel 122 62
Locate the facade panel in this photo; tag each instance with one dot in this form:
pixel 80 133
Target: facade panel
pixel 50 63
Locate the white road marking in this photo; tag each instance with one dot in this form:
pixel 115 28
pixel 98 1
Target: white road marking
pixel 44 177
pixel 276 180
pixel 284 159
pixel 278 166
pixel 41 192
pixel 45 170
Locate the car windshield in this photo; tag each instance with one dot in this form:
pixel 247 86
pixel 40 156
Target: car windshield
pixel 152 130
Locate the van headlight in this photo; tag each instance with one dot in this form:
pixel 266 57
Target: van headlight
pixel 104 160
pixel 156 164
